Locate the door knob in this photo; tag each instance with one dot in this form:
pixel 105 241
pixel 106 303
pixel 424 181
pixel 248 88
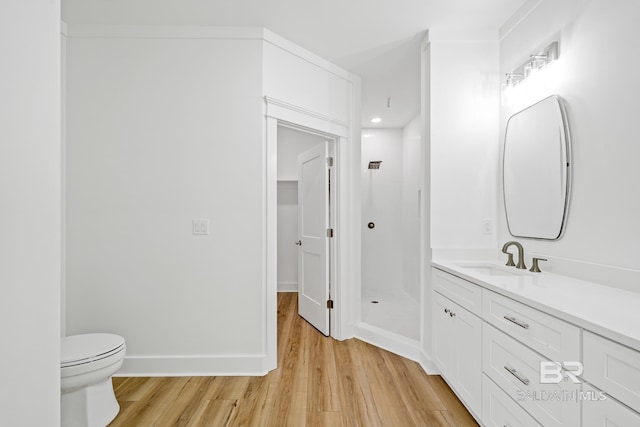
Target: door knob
pixel 299 243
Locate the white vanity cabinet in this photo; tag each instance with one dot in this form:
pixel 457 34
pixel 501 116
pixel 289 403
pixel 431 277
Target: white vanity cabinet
pixel 491 335
pixel 457 344
pixel 515 368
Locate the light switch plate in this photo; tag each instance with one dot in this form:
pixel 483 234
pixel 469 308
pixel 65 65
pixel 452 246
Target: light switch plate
pixel 199 227
pixel 487 226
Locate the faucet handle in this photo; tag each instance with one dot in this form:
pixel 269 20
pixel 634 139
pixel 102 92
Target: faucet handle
pixel 510 262
pixel 535 268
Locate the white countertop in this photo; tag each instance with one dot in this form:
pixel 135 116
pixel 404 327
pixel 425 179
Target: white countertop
pixel 610 312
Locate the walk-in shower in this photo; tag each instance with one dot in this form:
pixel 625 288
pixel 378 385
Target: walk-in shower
pixel 390 234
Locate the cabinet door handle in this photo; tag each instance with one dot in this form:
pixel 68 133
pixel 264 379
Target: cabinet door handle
pixel 517 322
pixel 451 313
pixel 446 310
pixel 515 373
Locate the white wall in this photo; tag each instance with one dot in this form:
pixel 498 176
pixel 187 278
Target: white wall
pixel 30 213
pixel 411 186
pixel 599 41
pixel 460 122
pixel 290 143
pixel 63 137
pixel 303 89
pixel 382 246
pixel 167 124
pixel 317 86
pixel 162 130
pixel 287 235
pixel 464 108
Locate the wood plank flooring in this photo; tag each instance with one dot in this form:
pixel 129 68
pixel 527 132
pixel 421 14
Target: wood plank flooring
pixel 319 382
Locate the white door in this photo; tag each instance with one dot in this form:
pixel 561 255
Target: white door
pixel 313 223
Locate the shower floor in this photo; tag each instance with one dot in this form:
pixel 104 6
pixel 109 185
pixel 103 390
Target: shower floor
pixel 395 311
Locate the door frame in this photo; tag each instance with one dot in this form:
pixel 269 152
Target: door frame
pixel 345 245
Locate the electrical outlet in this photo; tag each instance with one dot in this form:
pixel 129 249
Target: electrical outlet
pixel 199 227
pixel 487 226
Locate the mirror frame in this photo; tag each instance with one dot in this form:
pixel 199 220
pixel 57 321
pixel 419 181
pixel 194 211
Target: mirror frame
pixel 569 163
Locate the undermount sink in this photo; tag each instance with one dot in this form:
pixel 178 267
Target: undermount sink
pixel 490 269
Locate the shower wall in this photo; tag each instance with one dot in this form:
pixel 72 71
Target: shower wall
pixel 390 199
pixel 411 180
pixel 382 205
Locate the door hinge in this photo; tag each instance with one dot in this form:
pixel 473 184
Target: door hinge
pixel 329 303
pixel 329 161
pixel 329 232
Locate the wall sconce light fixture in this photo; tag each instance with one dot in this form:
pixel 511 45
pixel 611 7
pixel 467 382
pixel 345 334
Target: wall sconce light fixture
pixel 536 61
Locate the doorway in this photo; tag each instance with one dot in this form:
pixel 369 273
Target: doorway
pixel 345 245
pixel 305 226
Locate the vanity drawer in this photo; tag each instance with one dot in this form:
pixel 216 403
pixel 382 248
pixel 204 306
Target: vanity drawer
pixel 516 369
pixel 612 367
pixel 464 293
pixel 499 410
pixel 554 338
pixel 600 410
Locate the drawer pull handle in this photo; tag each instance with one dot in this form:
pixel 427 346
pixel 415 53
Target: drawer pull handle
pixel 517 322
pixel 515 373
pixel 446 310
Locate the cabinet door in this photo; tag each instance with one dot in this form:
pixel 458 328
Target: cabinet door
pixel 612 367
pixel 469 348
pixel 499 410
pixel 444 343
pixel 600 410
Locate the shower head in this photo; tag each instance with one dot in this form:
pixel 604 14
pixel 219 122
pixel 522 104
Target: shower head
pixel 375 164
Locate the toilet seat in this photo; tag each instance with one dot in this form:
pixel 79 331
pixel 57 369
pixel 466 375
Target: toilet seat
pixel 87 363
pixel 87 348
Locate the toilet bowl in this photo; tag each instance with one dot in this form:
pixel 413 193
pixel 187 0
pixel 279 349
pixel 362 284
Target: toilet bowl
pixel 87 363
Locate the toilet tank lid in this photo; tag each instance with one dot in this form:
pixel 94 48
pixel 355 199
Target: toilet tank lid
pixel 79 347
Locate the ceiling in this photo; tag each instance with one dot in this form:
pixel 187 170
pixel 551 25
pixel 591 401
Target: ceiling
pixel 376 39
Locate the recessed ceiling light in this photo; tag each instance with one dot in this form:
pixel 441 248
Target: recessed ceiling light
pixel 376 120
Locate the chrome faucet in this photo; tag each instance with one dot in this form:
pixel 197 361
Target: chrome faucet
pixel 510 262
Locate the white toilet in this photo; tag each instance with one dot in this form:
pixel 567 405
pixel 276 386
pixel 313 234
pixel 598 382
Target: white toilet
pixel 86 365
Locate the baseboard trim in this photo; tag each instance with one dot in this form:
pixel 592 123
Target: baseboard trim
pixel 188 366
pixel 398 344
pixel 427 364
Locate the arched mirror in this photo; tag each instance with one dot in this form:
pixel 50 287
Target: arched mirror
pixel 536 170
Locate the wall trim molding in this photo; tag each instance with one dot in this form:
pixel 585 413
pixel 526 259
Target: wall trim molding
pixel 202 32
pixel 302 53
pixel 164 32
pixel 170 366
pixel 294 114
pixel 517 18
